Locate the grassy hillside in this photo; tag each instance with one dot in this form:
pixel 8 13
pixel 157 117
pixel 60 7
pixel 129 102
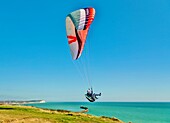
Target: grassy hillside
pixel 25 114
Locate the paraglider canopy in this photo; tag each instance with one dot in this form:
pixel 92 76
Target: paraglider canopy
pixel 77 26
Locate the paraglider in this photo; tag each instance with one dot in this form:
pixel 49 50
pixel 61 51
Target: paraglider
pixel 77 27
pixel 91 96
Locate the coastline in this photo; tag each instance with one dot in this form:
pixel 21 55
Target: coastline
pixel 19 113
pixel 13 102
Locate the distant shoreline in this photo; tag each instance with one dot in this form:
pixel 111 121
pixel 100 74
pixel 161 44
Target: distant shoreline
pixel 13 102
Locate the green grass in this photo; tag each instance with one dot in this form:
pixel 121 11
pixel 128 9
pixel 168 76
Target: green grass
pixel 25 114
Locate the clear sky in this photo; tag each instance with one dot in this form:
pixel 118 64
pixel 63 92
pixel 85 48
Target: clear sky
pixel 129 49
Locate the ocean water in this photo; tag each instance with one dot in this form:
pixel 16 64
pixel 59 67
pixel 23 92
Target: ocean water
pixel 135 112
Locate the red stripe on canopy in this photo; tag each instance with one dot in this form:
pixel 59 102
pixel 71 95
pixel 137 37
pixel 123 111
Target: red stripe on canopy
pixel 71 39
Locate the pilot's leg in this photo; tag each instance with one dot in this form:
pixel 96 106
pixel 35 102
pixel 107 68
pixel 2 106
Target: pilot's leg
pixel 98 94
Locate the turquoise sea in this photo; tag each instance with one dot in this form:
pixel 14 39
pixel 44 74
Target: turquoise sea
pixel 135 112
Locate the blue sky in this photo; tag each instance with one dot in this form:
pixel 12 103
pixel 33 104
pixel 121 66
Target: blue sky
pixel 129 49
